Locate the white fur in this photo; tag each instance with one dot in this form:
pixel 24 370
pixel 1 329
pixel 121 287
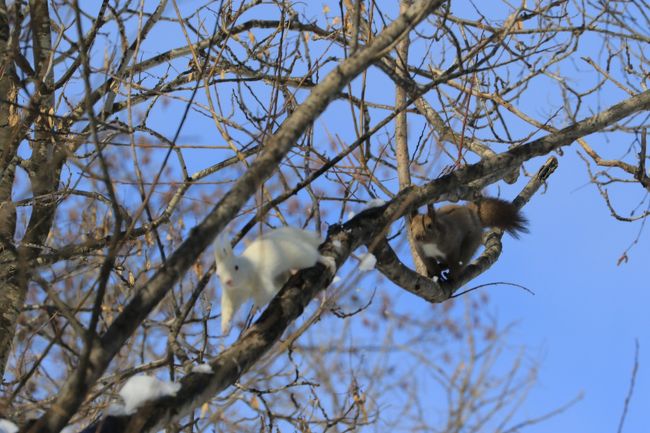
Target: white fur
pixel 432 250
pixel 255 273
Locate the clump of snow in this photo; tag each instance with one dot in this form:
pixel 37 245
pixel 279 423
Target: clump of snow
pixel 375 202
pixel 7 426
pixel 337 243
pixel 435 278
pixel 368 262
pixel 336 279
pixel 140 389
pixel 202 368
pixel 329 262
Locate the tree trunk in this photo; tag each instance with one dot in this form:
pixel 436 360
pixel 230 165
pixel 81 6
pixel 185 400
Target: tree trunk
pixel 44 168
pixel 11 297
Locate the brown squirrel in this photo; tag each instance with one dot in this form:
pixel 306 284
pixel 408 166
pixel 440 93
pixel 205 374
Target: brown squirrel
pixel 449 237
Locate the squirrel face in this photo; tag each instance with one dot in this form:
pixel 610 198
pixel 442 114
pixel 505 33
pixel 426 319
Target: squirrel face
pixel 232 271
pixel 226 268
pixel 423 226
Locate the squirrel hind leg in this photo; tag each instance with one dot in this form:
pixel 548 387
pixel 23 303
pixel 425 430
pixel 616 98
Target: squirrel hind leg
pixel 281 278
pixel 454 270
pixel 454 265
pixel 269 287
pixel 469 251
pixel 433 267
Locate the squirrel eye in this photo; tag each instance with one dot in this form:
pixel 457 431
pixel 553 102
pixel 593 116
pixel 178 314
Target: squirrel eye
pixel 236 267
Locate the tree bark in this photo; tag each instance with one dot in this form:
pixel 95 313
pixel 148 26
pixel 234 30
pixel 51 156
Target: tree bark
pixel 44 168
pixel 401 139
pixel 11 297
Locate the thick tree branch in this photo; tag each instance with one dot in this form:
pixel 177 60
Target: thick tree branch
pixel 475 176
pixel 402 153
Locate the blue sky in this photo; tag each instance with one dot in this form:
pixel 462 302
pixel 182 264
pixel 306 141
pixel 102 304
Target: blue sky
pixel 587 311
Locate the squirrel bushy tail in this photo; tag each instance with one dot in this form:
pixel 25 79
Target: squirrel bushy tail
pixel 494 212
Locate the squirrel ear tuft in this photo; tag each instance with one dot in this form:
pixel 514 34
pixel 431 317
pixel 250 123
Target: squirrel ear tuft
pixel 430 210
pixel 222 246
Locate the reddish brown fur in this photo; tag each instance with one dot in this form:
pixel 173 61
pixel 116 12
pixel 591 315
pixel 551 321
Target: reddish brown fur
pixel 456 231
pixel 494 212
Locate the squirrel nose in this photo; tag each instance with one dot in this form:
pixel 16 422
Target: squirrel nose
pixel 228 282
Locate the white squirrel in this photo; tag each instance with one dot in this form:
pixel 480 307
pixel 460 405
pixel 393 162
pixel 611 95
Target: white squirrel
pixel 263 268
